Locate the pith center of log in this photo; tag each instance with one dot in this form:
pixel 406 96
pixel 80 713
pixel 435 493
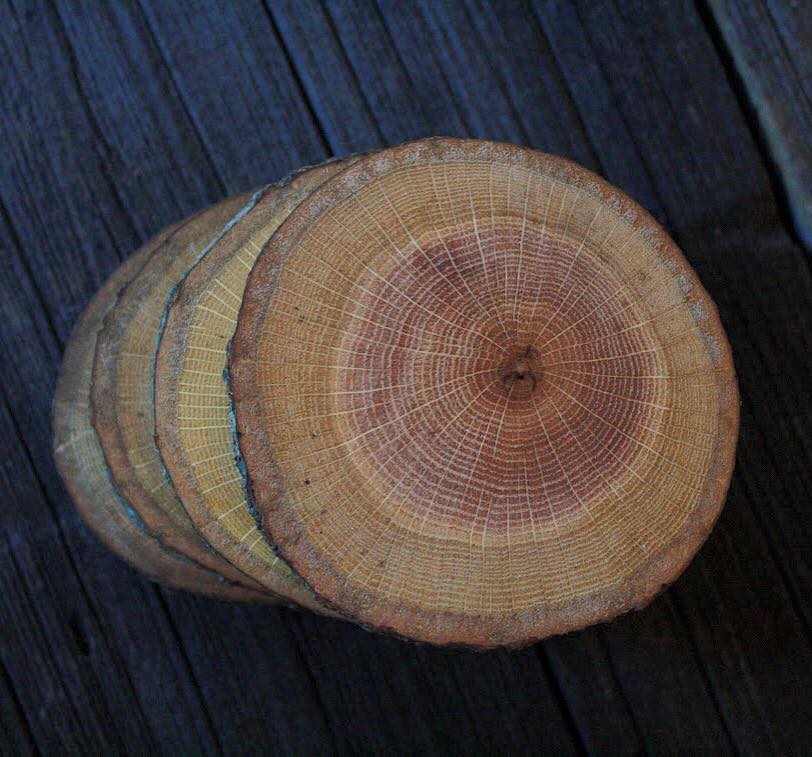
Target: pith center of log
pixel 521 372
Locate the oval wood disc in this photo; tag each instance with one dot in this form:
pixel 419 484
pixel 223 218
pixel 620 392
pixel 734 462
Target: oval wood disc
pixel 193 408
pixel 482 397
pixel 122 402
pixel 81 464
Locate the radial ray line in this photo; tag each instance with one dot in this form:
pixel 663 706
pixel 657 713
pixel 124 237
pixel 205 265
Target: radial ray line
pixel 225 304
pixel 367 408
pixel 530 510
pixel 375 324
pixel 196 372
pixel 558 540
pixel 326 366
pixel 233 509
pixel 544 223
pixel 569 270
pixel 380 426
pixel 587 288
pixel 417 245
pixel 192 347
pixel 314 492
pixel 337 330
pixel 225 288
pixel 207 309
pixel 490 500
pixel 637 325
pixel 462 438
pixel 381 299
pixel 614 394
pixel 476 463
pixel 604 358
pixel 436 490
pixel 351 537
pixel 471 294
pixel 481 250
pixel 631 470
pixel 591 460
pixel 356 316
pixel 569 481
pixel 392 244
pixel 669 376
pixel 392 519
pixel 520 262
pixel 271 384
pixel 506 293
pixel 457 224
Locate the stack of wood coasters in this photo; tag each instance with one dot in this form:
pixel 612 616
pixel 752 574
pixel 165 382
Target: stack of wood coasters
pixel 460 391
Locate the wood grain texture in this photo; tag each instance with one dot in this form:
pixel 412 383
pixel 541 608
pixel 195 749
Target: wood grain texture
pixel 481 397
pixel 770 44
pixel 636 91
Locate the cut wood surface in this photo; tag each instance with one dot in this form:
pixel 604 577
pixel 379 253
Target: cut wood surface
pixel 480 395
pixel 121 119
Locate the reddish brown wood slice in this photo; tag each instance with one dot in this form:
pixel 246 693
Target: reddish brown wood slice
pixel 482 397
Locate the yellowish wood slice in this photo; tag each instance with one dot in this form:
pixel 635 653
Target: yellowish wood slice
pixel 193 407
pixel 482 398
pixel 121 394
pixel 81 464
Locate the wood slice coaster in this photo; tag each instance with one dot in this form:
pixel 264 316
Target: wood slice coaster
pixel 81 463
pixel 193 408
pixel 121 392
pixel 482 397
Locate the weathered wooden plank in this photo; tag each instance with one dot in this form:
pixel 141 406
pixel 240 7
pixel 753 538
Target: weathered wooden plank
pixel 431 701
pixel 148 140
pixel 470 80
pixel 91 156
pixel 331 86
pixel 771 46
pixel 400 109
pixel 15 732
pixel 66 225
pixel 261 693
pixel 66 678
pixel 239 90
pixel 603 715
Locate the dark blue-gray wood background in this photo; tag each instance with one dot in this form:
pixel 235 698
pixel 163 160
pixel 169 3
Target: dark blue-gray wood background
pixel 118 118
